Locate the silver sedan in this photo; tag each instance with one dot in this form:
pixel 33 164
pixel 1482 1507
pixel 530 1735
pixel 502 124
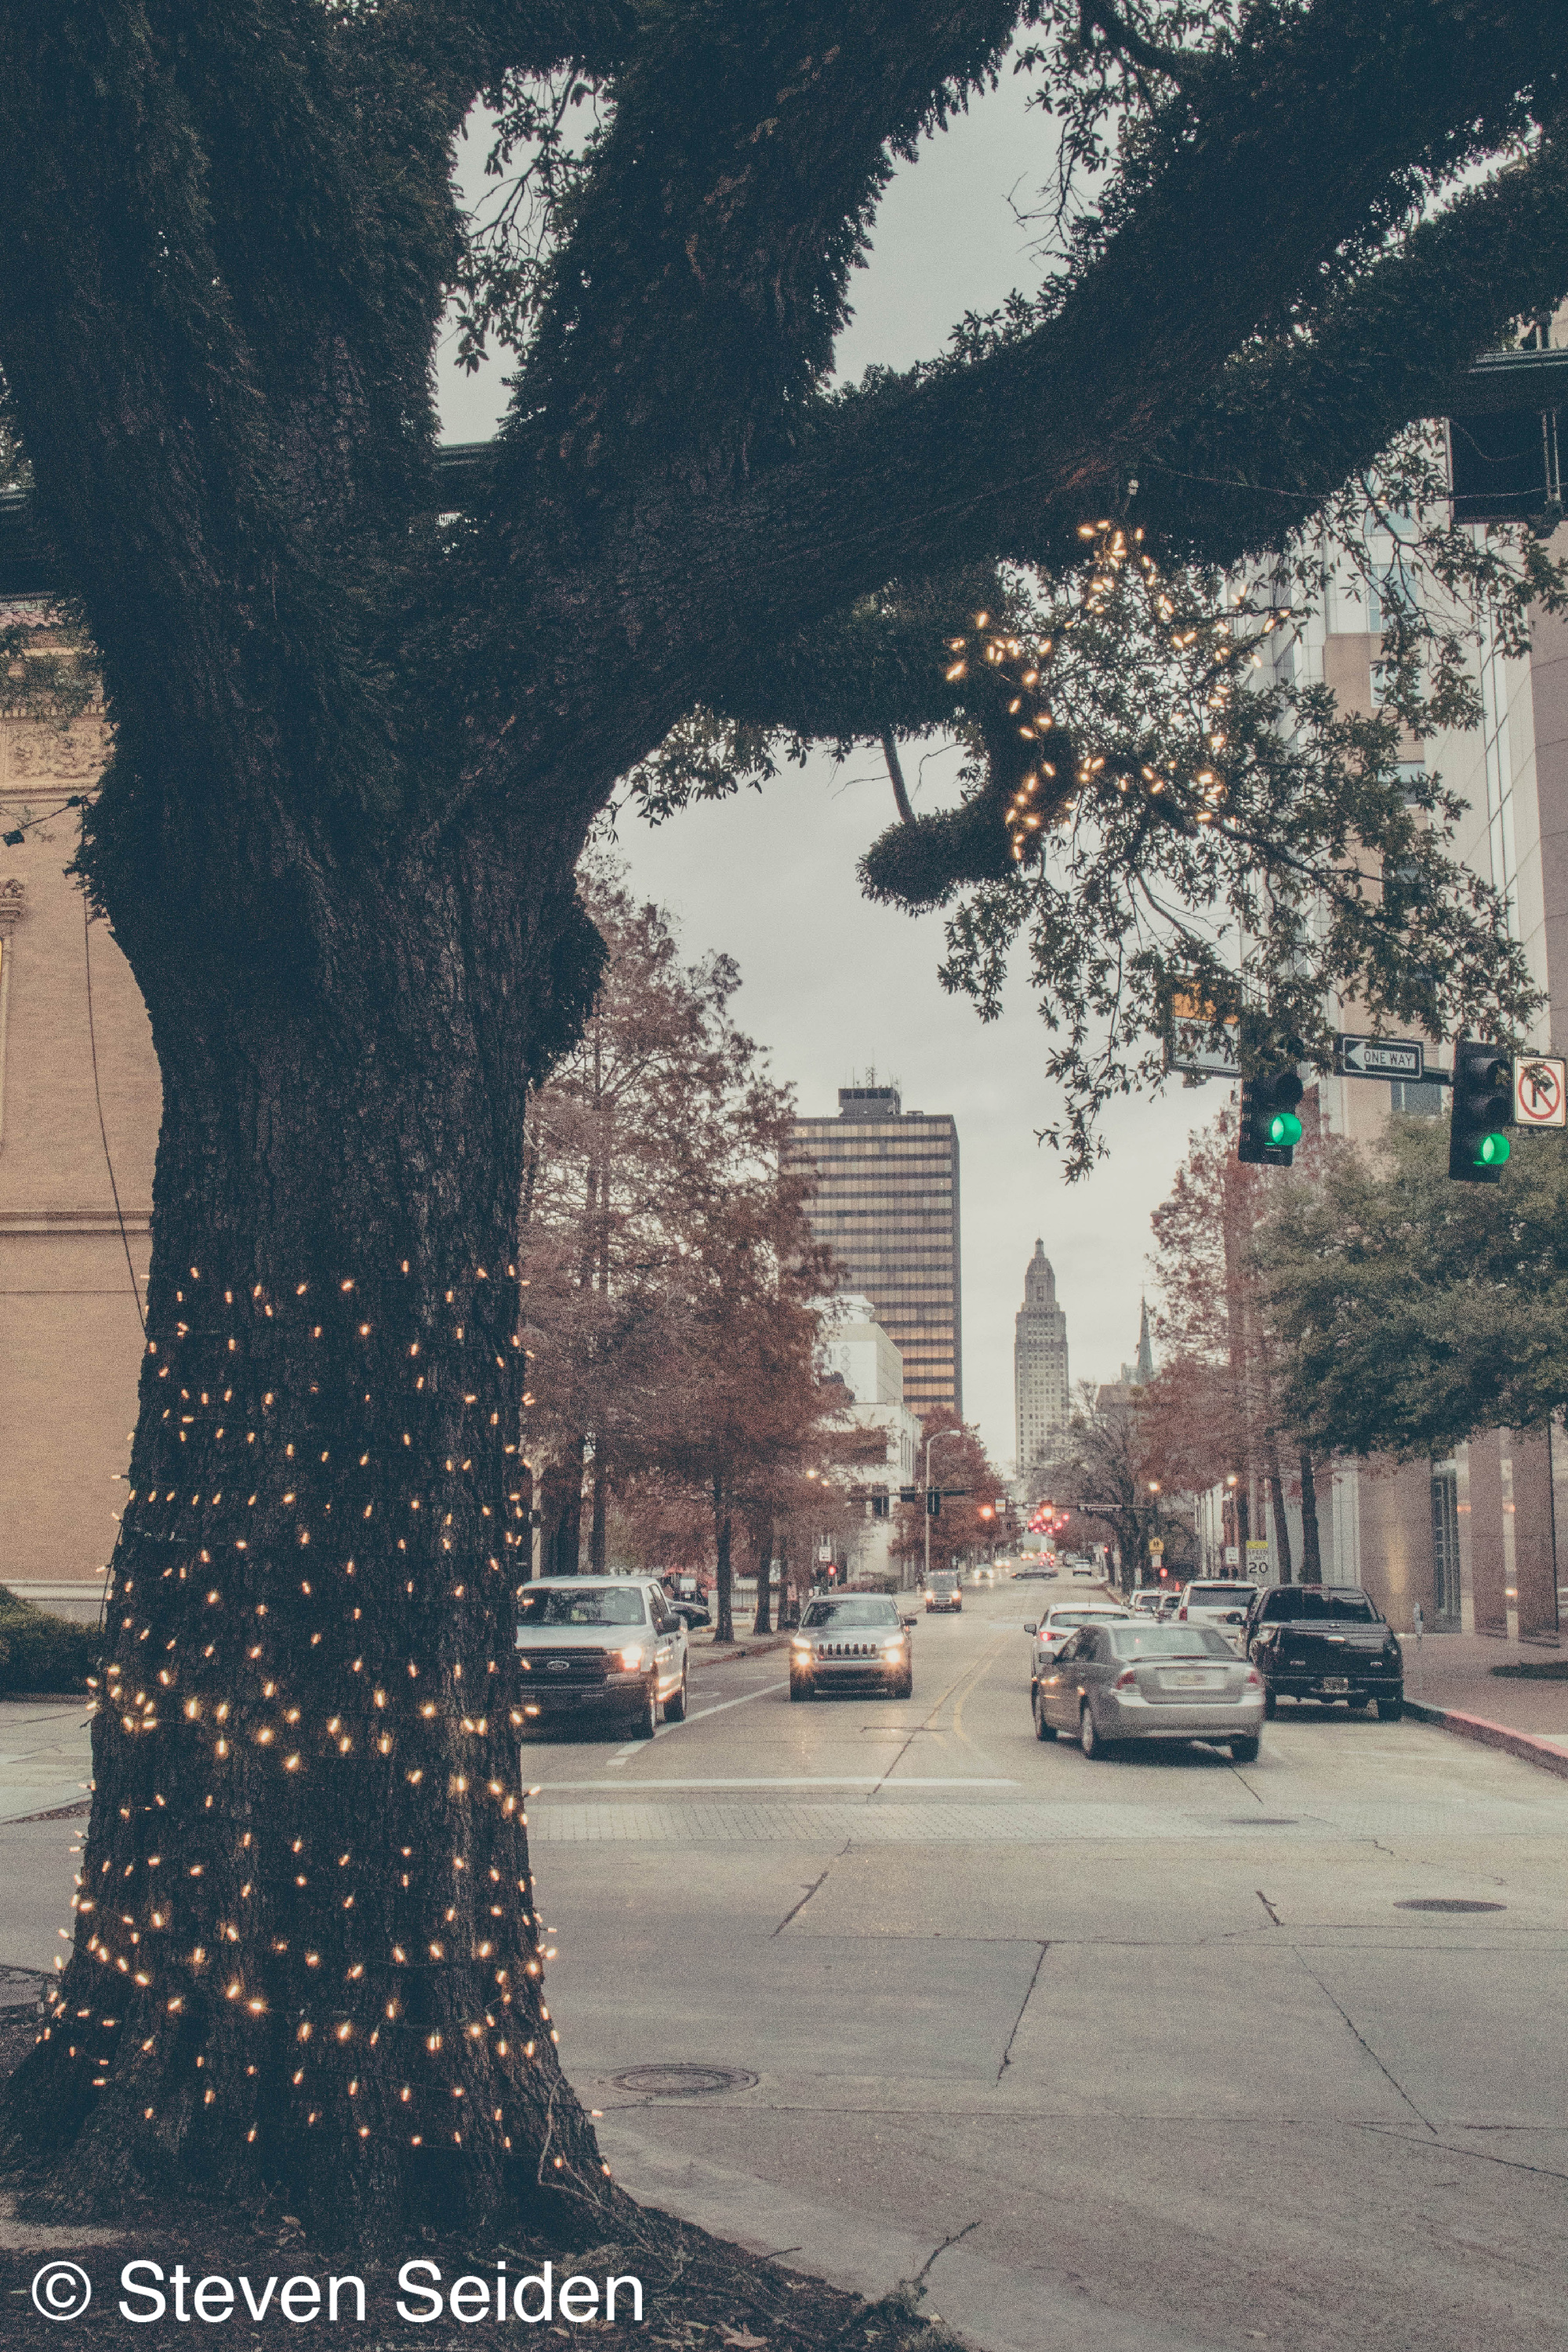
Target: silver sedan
pixel 1119 1683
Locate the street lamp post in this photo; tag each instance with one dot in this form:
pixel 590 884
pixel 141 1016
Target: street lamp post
pixel 934 1439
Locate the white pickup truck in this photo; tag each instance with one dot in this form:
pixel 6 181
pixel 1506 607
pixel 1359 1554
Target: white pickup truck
pixel 601 1646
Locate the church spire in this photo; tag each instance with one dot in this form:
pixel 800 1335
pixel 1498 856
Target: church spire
pixel 1146 1368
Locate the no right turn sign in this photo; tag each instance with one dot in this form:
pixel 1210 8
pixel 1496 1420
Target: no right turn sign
pixel 1540 1091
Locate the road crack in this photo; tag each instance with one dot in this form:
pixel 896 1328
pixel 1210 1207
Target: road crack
pixel 1023 2005
pixel 1387 2074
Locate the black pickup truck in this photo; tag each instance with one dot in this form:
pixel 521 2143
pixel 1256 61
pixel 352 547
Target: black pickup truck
pixel 1324 1642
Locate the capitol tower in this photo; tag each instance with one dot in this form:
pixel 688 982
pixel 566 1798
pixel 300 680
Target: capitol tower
pixel 1039 1365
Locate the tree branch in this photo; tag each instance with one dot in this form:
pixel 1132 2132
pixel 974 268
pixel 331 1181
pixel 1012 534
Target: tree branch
pixel 895 776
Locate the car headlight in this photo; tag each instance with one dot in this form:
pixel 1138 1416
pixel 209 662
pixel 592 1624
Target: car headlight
pixel 632 1656
pixel 800 1641
pixel 895 1642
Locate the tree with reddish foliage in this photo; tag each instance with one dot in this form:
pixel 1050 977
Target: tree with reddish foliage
pixel 1215 1411
pixel 958 1459
pixel 661 1107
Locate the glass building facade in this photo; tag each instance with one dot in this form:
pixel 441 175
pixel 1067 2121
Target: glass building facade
pixel 887 1203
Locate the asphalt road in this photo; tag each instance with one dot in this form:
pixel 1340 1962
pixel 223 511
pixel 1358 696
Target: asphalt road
pixel 1152 2042
pixel 1150 2049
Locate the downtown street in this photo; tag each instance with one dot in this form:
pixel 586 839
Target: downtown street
pixel 1155 2050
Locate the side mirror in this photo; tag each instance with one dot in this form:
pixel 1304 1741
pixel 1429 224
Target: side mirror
pixel 906 1621
pixel 1031 1626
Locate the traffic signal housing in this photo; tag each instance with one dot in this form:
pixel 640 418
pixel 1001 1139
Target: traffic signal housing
pixel 1483 1104
pixel 933 1502
pixel 1270 1128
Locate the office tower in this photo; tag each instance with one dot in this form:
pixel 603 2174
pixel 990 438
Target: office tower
pixel 887 1203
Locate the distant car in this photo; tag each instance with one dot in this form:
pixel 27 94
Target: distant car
pixel 1068 1617
pixel 691 1613
pixel 1216 1602
pixel 946 1591
pixel 1086 1574
pixel 1114 1684
pixel 1037 1567
pixel 1326 1642
pixel 848 1644
pixel 1147 1602
pixel 984 1574
pixel 601 1644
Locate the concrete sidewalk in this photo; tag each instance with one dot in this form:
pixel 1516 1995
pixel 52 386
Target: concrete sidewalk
pixel 46 1756
pixel 1450 1680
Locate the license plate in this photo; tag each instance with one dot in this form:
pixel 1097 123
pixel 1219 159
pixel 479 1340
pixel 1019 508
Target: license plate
pixel 1192 1678
pixel 1336 1681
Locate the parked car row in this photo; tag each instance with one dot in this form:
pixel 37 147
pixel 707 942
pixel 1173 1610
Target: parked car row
pixel 1211 1662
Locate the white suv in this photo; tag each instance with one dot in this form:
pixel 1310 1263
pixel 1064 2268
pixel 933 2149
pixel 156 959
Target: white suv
pixel 1216 1602
pixel 601 1644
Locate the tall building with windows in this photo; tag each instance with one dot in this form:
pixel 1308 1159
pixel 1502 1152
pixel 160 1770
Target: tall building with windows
pixel 886 1202
pixel 1040 1387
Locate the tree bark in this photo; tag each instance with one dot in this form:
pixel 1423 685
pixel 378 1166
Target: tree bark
pixel 1276 1497
pixel 761 1535
pixel 722 1526
pixel 597 1526
pixel 1312 1544
pixel 306 1954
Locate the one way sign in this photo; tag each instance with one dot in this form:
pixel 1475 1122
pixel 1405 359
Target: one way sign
pixel 1380 1057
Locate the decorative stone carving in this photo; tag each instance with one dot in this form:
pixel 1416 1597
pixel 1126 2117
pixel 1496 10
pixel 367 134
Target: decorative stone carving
pixel 13 904
pixel 72 755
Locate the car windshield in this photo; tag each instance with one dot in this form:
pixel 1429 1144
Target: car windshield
pixel 1061 1618
pixel 580 1604
pixel 945 1583
pixel 1170 1641
pixel 1219 1596
pixel 851 1613
pixel 1315 1604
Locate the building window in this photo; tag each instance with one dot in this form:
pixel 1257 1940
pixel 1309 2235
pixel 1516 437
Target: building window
pixel 1423 1100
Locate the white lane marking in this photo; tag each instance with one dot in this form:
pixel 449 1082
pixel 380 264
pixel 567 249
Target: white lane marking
pixel 744 1700
pixel 634 1747
pixel 820 1780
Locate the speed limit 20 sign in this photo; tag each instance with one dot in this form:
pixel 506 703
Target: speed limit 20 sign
pixel 1540 1091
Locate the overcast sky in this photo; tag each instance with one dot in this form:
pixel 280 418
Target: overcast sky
pixel 836 987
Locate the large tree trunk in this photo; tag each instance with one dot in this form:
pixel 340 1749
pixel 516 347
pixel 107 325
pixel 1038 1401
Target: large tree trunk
pixel 306 1950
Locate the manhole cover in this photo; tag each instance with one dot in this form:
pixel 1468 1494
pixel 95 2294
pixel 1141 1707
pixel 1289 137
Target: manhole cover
pixel 677 2080
pixel 1448 1903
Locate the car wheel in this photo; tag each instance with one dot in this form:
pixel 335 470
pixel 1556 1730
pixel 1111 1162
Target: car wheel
pixel 1270 1704
pixel 1362 1699
pixel 905 1689
pixel 1245 1750
pixel 1089 1738
pixel 1389 1710
pixel 1043 1730
pixel 799 1687
pixel 675 1705
pixel 645 1722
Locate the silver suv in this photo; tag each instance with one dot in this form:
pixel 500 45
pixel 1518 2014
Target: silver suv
pixel 604 1644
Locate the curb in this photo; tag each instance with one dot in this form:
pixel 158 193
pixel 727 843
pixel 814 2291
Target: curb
pixel 1522 1744
pixel 756 1647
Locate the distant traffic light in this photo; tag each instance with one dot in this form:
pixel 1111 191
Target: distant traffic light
pixel 1483 1104
pixel 933 1502
pixel 880 1506
pixel 1271 1130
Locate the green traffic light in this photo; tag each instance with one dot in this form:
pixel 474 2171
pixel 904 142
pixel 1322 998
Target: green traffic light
pixel 1284 1131
pixel 1491 1151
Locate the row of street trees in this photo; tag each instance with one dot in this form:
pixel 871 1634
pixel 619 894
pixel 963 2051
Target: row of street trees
pixel 673 1291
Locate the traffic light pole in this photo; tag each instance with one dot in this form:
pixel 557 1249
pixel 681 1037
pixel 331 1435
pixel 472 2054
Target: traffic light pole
pixel 934 1439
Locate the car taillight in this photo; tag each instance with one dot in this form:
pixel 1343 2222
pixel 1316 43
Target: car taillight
pixel 1125 1680
pixel 1254 1679
pixel 1182 1612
